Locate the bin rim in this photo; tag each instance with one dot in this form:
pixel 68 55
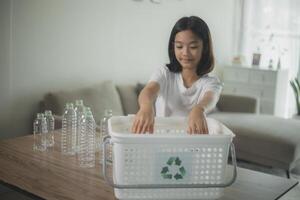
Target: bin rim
pixel 119 135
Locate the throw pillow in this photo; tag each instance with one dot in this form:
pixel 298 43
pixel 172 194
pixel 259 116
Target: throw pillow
pixel 98 97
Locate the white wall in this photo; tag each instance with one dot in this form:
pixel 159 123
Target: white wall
pixel 143 29
pixel 5 74
pixel 61 44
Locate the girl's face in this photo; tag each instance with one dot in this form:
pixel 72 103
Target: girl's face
pixel 188 49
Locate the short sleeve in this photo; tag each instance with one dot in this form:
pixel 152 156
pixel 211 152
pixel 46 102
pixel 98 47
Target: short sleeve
pixel 160 76
pixel 213 84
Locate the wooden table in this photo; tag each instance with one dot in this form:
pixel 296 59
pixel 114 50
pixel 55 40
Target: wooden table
pixel 51 175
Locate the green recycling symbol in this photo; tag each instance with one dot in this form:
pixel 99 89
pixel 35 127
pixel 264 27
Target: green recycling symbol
pixel 167 174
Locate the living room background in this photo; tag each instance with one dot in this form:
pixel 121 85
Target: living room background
pixel 67 44
pixel 53 45
pixel 271 29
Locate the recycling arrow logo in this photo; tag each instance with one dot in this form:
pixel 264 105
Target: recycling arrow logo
pixel 173 163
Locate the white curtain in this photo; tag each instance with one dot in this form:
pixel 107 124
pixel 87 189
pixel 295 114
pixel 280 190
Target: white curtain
pixel 272 28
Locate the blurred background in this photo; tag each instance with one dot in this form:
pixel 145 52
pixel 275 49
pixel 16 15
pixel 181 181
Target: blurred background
pixel 63 44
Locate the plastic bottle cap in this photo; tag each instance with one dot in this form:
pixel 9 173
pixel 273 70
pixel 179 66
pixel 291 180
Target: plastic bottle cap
pixel 108 112
pixel 88 111
pixel 69 105
pixel 48 112
pixel 79 102
pixel 40 115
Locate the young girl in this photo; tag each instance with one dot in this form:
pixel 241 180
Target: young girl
pixel 183 87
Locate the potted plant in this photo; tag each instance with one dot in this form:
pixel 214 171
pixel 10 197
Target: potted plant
pixel 296 88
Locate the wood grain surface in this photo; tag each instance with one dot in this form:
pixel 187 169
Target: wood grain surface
pixel 51 175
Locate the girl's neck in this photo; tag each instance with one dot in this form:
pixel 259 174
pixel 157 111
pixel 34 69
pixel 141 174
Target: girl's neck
pixel 189 77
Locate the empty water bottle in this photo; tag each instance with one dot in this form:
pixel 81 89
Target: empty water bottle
pixel 68 135
pixel 40 132
pixel 50 127
pixel 79 109
pixel 104 123
pixel 86 153
pixel 104 132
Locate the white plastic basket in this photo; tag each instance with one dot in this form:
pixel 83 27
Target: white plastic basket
pixel 175 164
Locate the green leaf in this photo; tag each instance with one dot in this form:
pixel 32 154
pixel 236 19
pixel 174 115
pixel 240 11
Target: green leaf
pixel 182 171
pixel 170 161
pixel 164 170
pixel 167 176
pixel 296 88
pixel 177 176
pixel 298 84
pixel 296 91
pixel 177 161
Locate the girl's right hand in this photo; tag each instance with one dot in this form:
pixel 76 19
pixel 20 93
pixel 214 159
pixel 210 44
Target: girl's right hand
pixel 144 120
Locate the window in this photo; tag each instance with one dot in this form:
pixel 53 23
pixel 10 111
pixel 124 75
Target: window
pixel 272 28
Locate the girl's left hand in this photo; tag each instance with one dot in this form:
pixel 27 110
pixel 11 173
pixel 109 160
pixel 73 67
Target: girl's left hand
pixel 197 121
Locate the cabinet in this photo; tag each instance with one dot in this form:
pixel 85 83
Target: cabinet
pixel 269 86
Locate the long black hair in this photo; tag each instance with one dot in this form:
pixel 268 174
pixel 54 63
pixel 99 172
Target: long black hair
pixel 199 28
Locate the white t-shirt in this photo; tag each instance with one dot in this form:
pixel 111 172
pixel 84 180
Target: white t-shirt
pixel 174 99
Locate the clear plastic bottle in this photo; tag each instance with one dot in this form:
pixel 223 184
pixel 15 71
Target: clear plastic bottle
pixel 81 128
pixel 104 132
pixel 68 135
pixel 86 153
pixel 39 133
pixel 50 127
pixel 104 123
pixel 79 109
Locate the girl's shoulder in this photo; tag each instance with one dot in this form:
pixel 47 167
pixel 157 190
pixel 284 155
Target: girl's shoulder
pixel 163 70
pixel 210 78
pixel 161 75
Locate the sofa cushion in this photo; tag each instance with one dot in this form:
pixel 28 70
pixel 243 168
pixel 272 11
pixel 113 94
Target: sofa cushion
pixel 233 103
pixel 128 97
pixel 99 97
pixel 264 139
pixel 139 87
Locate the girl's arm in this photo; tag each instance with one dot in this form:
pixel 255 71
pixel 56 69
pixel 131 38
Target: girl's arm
pixel 197 121
pixel 144 119
pixel 209 101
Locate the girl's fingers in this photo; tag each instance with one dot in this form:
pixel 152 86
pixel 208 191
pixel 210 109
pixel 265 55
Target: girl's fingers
pixel 151 127
pixel 133 128
pixel 195 129
pixel 144 127
pixel 205 127
pixel 189 130
pixel 139 127
pixel 198 129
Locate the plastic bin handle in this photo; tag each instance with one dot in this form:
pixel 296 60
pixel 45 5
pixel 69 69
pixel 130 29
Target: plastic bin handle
pixel 107 140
